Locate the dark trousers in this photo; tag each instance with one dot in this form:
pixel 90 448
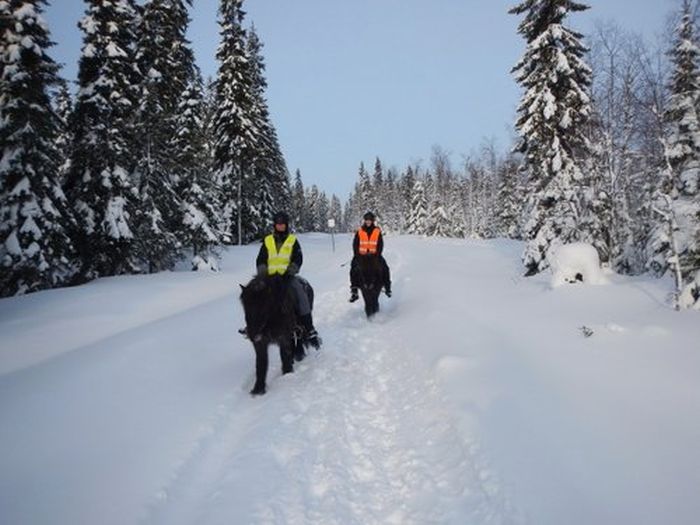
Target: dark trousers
pixel 355 271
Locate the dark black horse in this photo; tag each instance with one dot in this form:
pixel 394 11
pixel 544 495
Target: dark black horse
pixel 370 276
pixel 269 307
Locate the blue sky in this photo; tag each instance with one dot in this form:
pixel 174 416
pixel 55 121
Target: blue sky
pixel 352 80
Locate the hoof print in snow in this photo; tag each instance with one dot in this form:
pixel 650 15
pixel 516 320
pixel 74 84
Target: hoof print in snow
pixel 586 331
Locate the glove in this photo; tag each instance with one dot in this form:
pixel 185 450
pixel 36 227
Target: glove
pixel 292 269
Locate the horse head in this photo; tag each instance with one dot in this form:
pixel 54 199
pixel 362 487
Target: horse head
pixel 266 305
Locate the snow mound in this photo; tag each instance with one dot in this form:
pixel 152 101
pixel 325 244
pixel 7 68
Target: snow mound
pixel 204 264
pixel 575 262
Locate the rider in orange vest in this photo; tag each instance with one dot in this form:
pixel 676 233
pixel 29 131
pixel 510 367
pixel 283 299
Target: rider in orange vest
pixel 368 241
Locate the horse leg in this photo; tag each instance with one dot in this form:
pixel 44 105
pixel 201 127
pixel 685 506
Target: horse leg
pixel 261 362
pixel 375 302
pixel 299 352
pixel 371 297
pixel 287 356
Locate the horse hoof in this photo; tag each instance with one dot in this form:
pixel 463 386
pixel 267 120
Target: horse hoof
pixel 257 391
pixel 287 371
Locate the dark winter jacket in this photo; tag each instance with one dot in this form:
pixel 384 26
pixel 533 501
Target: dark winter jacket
pixel 297 258
pixel 356 241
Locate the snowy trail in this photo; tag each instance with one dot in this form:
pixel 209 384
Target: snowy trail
pixel 362 438
pixel 471 398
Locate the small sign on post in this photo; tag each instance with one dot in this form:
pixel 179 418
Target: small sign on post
pixel 331 227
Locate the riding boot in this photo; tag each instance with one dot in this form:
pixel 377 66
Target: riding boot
pixel 311 335
pixel 353 294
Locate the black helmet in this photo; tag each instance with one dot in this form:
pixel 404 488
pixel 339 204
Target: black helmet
pixel 280 218
pixel 369 216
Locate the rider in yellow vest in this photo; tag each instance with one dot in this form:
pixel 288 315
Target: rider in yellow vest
pixel 280 254
pixel 368 241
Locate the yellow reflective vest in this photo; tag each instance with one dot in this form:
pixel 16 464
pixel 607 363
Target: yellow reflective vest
pixel 277 263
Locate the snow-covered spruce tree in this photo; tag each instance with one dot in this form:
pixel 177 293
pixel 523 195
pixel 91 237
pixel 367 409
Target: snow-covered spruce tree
pixel 322 207
pixel 167 63
pixel 36 251
pixel 270 179
pixel 417 221
pixel 98 183
pixel 313 219
pixel 364 195
pixel 63 107
pixel 675 242
pixel 234 125
pixel 551 123
pixel 405 196
pixel 508 203
pixel 335 212
pixel 378 201
pixel 197 188
pixel 298 212
pixel 391 206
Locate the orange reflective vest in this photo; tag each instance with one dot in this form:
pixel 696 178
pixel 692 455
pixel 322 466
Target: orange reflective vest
pixel 368 244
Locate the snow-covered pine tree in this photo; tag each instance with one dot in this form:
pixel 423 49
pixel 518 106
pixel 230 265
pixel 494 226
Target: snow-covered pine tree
pixel 270 179
pixel 551 123
pixel 235 129
pixel 417 221
pixel 35 247
pixel 335 212
pixel 391 205
pixel 299 208
pixel 322 207
pixel 313 220
pixel 98 181
pixel 440 224
pixel 378 196
pixel 350 214
pixel 405 197
pixel 167 63
pixel 197 188
pixel 508 202
pixel 63 107
pixel 676 240
pixel 364 195
pixel 471 193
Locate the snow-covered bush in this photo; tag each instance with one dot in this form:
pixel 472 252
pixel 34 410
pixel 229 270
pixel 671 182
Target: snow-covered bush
pixel 204 263
pixel 575 262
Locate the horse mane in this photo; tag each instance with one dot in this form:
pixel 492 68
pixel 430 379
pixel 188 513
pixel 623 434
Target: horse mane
pixel 268 304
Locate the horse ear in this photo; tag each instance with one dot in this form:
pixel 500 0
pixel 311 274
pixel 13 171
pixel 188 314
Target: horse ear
pixel 242 287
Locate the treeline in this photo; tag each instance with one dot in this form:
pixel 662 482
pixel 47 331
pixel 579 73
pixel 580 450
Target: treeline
pixel 608 152
pixel 147 162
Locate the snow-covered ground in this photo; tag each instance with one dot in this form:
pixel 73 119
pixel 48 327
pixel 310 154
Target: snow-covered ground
pixel 475 396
